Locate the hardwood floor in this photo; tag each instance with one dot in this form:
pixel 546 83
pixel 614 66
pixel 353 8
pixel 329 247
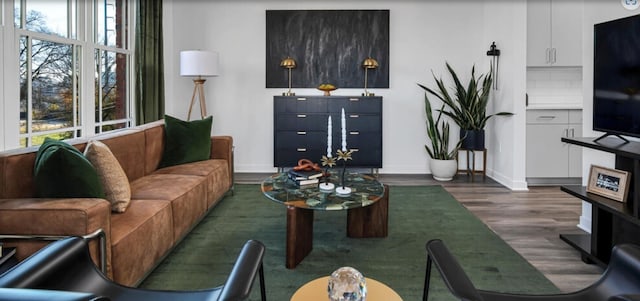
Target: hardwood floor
pixel 529 221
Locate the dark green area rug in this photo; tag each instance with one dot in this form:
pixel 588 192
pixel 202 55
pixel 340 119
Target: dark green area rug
pixel 416 214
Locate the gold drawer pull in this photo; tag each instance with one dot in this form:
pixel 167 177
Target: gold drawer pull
pixel 354 99
pixel 301 116
pixel 354 133
pixel 354 116
pixel 302 133
pixel 354 149
pixel 301 149
pixel 301 98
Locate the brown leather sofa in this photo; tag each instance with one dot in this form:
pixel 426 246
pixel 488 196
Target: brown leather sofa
pixel 165 203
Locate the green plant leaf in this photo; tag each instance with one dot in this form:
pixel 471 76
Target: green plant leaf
pixel 468 107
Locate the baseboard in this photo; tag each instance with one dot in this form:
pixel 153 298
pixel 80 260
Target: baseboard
pixel 553 181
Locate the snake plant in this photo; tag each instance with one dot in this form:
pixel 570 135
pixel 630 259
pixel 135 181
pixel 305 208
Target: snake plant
pixel 438 132
pixel 467 106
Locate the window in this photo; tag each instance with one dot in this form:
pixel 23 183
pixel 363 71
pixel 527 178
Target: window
pixel 56 55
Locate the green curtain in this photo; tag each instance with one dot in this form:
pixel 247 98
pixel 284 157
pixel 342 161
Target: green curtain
pixel 149 96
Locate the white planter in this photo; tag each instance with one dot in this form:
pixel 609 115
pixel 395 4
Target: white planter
pixel 443 170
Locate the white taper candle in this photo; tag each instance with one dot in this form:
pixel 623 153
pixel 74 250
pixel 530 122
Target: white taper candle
pixel 329 137
pixel 344 131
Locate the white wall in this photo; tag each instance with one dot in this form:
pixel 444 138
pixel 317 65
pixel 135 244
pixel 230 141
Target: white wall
pixel 505 23
pixel 423 35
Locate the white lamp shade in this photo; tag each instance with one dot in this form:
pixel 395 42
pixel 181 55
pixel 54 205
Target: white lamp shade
pixel 198 63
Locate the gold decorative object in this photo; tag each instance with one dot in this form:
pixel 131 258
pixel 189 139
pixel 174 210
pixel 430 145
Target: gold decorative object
pixel 289 64
pixel 328 161
pixel 327 88
pixel 344 156
pixel 368 63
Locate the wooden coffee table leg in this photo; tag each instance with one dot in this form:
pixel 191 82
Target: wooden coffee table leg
pixel 370 221
pixel 299 235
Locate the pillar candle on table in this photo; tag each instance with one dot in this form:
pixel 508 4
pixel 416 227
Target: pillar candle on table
pixel 329 137
pixel 344 132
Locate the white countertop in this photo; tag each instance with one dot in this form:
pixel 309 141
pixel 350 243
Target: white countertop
pixel 555 106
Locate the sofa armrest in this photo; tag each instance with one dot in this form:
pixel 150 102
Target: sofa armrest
pixel 222 148
pixel 55 217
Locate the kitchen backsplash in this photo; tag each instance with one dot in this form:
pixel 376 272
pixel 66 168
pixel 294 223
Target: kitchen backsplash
pixel 554 87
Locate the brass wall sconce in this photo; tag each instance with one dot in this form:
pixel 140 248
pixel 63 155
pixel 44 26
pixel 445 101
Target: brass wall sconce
pixel 368 63
pixel 288 63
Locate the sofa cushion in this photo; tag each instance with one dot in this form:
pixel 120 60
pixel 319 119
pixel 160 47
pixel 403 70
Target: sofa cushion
pixel 60 170
pixel 129 149
pixel 215 171
pixel 187 194
pixel 140 238
pixel 186 141
pixel 114 181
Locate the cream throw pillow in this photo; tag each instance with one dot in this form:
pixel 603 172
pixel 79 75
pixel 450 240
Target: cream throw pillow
pixel 114 180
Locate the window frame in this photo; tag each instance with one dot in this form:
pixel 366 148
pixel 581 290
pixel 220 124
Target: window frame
pixel 84 46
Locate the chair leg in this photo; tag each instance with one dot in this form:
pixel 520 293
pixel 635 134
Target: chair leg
pixel 427 277
pixel 263 293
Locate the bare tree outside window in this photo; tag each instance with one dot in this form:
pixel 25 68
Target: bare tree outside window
pixel 51 69
pixel 47 99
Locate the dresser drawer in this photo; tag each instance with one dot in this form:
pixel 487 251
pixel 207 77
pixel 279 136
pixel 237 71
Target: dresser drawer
pixel 370 158
pixel 547 116
pixel 356 105
pixel 302 122
pixel 292 104
pixel 363 123
pixel 300 140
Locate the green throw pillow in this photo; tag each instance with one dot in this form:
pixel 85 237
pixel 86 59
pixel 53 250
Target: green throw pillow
pixel 186 141
pixel 61 171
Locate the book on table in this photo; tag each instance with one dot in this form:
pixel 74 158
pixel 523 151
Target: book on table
pixel 307 182
pixel 304 174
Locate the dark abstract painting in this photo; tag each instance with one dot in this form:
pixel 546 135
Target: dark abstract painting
pixel 328 46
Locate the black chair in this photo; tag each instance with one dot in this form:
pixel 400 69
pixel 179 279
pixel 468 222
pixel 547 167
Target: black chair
pixel 619 282
pixel 66 265
pixel 24 294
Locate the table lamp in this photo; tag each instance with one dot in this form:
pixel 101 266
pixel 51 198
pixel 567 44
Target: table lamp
pixel 198 64
pixel 288 63
pixel 368 63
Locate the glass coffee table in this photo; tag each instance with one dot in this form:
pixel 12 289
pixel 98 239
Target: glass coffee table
pixel 367 209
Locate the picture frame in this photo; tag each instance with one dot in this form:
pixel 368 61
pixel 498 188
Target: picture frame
pixel 329 46
pixel 608 182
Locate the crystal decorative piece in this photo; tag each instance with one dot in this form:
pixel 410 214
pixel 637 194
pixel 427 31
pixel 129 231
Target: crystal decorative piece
pixel 347 284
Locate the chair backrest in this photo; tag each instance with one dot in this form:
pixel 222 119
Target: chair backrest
pixel 452 273
pixel 63 264
pixel 249 263
pixel 622 276
pixel 20 294
pixel 66 265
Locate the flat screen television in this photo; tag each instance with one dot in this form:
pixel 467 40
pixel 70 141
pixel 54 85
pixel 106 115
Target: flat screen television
pixel 616 77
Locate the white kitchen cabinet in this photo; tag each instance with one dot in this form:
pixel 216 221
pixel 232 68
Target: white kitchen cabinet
pixel 547 156
pixel 554 33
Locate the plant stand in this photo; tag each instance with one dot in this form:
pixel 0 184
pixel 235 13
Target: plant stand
pixel 471 163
